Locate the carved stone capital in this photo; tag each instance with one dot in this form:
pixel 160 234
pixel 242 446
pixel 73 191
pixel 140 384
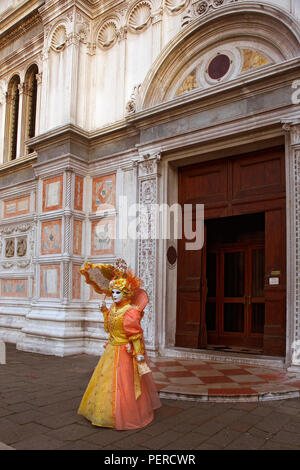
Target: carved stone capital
pixel 292 127
pixel 149 164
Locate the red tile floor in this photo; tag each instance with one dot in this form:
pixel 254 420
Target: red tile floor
pixel 220 381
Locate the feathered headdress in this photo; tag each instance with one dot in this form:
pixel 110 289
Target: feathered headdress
pixel 105 277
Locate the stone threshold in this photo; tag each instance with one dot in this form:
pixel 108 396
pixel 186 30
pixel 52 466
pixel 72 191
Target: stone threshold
pixel 223 356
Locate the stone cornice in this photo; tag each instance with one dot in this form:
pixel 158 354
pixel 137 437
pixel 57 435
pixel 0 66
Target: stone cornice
pixel 92 8
pixel 70 131
pixel 250 84
pixel 18 164
pixel 28 51
pixel 19 21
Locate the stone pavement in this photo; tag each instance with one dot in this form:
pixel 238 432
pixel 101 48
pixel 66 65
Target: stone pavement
pixel 39 397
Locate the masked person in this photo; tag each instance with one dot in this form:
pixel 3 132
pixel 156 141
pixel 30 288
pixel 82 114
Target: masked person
pixel 121 393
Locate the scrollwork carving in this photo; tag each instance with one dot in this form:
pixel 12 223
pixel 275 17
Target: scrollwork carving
pixel 203 7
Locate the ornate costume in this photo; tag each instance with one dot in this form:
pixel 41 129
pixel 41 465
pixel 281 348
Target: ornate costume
pixel 121 393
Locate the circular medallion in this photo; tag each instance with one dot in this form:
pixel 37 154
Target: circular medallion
pixel 172 255
pixel 219 66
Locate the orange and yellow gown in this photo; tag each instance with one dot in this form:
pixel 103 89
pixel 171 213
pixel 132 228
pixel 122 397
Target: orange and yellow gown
pixel 117 396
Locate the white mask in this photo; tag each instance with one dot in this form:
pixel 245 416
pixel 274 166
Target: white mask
pixel 117 295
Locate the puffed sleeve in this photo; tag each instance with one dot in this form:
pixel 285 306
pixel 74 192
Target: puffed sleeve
pixel 105 313
pixel 133 329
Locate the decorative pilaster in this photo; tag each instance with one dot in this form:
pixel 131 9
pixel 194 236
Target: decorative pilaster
pixel 292 130
pixel 148 187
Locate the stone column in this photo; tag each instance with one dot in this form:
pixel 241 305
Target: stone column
pixel 292 130
pixel 20 134
pixel 148 189
pixel 39 77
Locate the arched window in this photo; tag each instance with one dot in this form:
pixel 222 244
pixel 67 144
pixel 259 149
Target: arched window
pixel 30 100
pixel 12 118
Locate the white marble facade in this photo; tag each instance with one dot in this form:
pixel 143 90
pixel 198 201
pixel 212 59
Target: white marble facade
pixel 126 93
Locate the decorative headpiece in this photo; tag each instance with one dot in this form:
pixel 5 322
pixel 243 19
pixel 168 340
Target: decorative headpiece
pixel 105 277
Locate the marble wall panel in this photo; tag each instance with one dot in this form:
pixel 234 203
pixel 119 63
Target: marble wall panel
pixel 104 193
pixel 50 281
pixel 15 207
pixel 14 288
pixel 77 237
pixel 52 193
pixel 103 237
pixel 51 237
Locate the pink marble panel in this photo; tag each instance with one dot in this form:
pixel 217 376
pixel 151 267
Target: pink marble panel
pixel 104 193
pixel 51 237
pixel 78 201
pixel 15 207
pixel 77 237
pixel 14 288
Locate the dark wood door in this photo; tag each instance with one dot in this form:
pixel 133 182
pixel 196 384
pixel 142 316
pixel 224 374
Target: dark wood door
pixel 191 297
pixel 236 311
pixel 239 186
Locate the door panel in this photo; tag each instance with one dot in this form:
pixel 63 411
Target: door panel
pixel 242 306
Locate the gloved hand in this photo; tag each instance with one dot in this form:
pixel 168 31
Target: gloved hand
pixel 140 358
pixel 103 307
pixel 128 347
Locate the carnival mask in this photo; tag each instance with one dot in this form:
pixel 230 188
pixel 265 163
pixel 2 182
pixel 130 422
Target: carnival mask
pixel 116 295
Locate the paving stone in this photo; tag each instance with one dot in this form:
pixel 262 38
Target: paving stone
pixel 223 437
pixel 188 441
pixel 159 442
pixel 246 442
pixel 273 422
pixel 157 428
pixel 5 412
pixel 40 442
pixel 79 445
pixel 210 427
pixel 71 432
pixel 132 442
pixel 289 438
pixel 12 433
pixel 28 416
pixel 59 420
pixel 271 445
pixel 103 437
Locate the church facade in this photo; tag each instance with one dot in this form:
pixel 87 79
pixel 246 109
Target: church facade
pixel 110 110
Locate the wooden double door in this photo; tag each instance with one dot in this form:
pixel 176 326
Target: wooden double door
pixel 232 292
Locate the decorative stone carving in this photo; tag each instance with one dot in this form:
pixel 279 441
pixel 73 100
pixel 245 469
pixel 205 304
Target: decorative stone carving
pixel 201 8
pixel 21 246
pixel 24 264
pixel 140 17
pixel 7 265
pixel 59 38
pixel 2 92
pixel 9 247
pixel 175 5
pixel 107 35
pixel 131 105
pixel 148 193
